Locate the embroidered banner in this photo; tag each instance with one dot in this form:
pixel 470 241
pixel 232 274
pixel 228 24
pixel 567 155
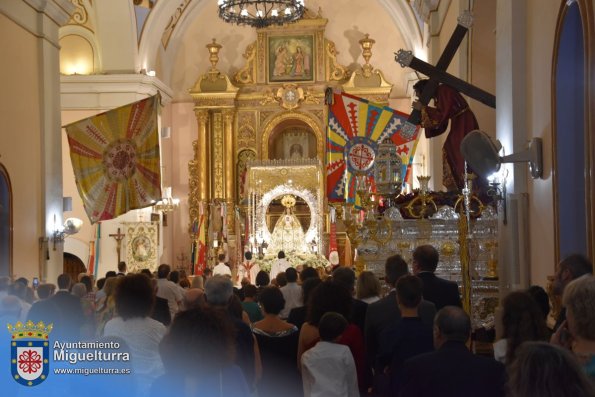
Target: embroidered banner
pixel 355 128
pixel 115 158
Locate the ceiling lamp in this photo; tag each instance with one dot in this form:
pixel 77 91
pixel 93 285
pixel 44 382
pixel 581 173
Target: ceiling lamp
pixel 260 13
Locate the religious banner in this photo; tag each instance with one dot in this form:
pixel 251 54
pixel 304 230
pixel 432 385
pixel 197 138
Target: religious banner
pixel 355 129
pixel 115 158
pixel 142 246
pixel 333 255
pixel 94 252
pixel 199 250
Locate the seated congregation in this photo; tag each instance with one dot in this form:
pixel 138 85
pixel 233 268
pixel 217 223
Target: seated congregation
pixel 318 333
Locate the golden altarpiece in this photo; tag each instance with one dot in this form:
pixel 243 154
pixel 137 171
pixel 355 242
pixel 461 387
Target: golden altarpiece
pixel 261 145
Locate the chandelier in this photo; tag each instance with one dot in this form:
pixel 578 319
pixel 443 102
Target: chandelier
pixel 260 13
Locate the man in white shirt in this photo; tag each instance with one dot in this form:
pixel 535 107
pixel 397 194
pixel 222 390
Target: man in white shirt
pixel 328 369
pixel 280 265
pixel 221 269
pixel 168 290
pixel 292 293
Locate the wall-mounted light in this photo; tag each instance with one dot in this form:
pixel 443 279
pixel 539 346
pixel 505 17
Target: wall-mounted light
pixel 167 204
pixel 71 226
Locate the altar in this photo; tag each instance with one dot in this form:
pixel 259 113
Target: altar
pixel 285 211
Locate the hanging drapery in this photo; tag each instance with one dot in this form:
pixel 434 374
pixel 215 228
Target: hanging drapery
pixel 115 158
pixel 355 128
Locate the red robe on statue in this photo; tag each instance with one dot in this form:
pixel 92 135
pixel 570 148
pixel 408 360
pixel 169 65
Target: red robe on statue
pixel 450 105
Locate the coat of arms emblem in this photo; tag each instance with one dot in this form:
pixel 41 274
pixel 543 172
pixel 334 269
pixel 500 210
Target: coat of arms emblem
pixel 29 354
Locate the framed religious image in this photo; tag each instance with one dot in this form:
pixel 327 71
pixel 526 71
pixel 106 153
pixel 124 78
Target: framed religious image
pixel 290 58
pixel 295 145
pixel 142 245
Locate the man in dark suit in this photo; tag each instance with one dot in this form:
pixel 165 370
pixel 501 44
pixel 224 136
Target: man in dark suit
pixel 385 312
pixel 452 370
pixel 436 290
pixel 71 311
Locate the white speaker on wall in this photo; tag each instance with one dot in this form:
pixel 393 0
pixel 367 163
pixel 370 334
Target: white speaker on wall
pixel 165 132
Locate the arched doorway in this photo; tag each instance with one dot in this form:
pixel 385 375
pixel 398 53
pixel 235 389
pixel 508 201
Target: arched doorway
pixel 5 223
pixel 572 146
pixel 73 266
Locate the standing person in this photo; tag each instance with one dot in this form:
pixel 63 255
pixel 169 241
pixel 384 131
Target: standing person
pixel 221 269
pixel 277 342
pixel 450 106
pixel 436 290
pixel 219 291
pixel 71 311
pixel 571 268
pixel 142 334
pixel 452 370
pixel 198 357
pixel 367 288
pixel 328 368
pixel 292 293
pixel 168 290
pixel 249 304
pixel 542 369
pixel 380 315
pixel 522 321
pixel 247 269
pixel 407 337
pixel 121 268
pixel 280 265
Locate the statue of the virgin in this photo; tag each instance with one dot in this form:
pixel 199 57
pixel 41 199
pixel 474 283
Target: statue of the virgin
pixel 288 234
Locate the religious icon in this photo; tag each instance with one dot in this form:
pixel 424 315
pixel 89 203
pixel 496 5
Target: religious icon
pixel 141 247
pixel 290 58
pixel 296 151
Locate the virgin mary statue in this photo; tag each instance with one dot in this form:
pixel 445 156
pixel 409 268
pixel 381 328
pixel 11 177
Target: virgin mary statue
pixel 288 234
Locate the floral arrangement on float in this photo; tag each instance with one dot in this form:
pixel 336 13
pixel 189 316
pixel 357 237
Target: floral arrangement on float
pixel 295 259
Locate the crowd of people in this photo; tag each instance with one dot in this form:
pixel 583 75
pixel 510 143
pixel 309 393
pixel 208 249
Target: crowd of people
pixel 309 333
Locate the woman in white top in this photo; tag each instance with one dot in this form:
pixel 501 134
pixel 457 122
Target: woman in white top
pixel 142 334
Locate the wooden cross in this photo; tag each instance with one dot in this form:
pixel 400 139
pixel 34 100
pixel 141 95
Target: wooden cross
pixel 118 237
pixel 437 74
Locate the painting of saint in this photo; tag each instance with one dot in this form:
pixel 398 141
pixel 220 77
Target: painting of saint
pixel 290 58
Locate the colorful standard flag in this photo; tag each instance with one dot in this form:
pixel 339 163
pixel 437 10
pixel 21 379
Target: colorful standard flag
pixel 94 252
pixel 355 129
pixel 115 158
pixel 201 248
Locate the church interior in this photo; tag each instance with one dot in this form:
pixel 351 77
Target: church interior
pixel 244 122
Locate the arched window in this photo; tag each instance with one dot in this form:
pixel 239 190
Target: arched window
pixel 5 223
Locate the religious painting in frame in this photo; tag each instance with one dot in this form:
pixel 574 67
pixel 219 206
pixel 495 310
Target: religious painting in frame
pixel 142 246
pixel 290 58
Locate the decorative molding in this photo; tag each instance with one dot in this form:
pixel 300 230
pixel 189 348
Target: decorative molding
pixel 247 74
pixel 173 22
pixel 109 91
pixel 80 16
pixel 246 137
pixel 334 70
pixel 217 165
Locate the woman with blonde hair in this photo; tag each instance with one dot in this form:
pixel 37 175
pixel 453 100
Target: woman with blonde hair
pixel 367 288
pixel 578 331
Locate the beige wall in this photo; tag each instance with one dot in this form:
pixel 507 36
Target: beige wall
pixel 541 24
pixel 20 143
